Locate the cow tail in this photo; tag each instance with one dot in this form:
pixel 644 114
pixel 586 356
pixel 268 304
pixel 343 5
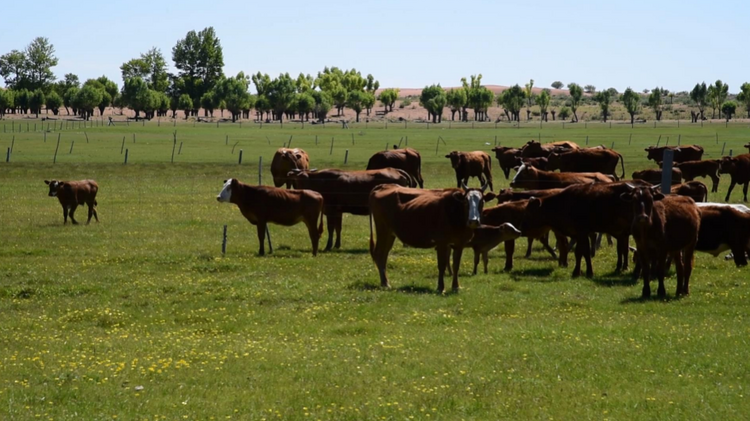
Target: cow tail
pixel 320 226
pixel 622 165
pixel 419 171
pixel 372 242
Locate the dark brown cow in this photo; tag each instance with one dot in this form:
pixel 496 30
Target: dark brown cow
pixel 653 176
pixel 407 159
pixel 261 205
pixel 471 164
pixel 747 145
pixel 531 178
pixel 540 163
pixel 581 210
pixel 487 237
pixel 285 160
pixel 507 158
pixel 345 192
pixel 663 226
pixel 681 153
pixel 725 227
pixel 587 160
pixel 739 169
pixel 509 195
pixel 706 168
pixel 534 149
pixel 439 219
pixel 74 193
pixel 693 189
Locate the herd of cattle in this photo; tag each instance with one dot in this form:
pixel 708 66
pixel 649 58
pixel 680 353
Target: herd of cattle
pixel 585 199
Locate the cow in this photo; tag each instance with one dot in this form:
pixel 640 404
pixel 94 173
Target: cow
pixel 407 159
pixel 725 227
pixel 471 164
pixel 681 153
pixel 508 195
pixel 653 176
pixel 705 168
pixel 506 156
pixel 694 189
pixel 74 193
pixel 531 178
pixel 487 237
pixel 540 163
pixel 345 192
pixel 587 160
pixel 439 219
pixel 739 169
pixel 285 160
pixel 663 226
pixel 581 210
pixel 747 145
pixel 534 149
pixel 261 205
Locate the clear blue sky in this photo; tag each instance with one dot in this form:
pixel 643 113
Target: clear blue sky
pixel 408 44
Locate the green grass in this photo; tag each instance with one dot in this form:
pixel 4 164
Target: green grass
pixel 140 317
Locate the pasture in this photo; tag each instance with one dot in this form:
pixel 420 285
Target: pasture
pixel 140 317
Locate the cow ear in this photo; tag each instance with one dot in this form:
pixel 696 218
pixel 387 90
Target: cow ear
pixel 46 182
pixel 534 203
pixel 626 197
pixel 448 156
pixel 658 196
pixel 488 197
pixel 225 181
pixel 459 195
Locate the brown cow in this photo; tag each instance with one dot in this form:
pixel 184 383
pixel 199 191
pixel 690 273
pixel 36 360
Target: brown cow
pixel 706 168
pixel 663 226
pixel 725 227
pixel 439 219
pixel 653 176
pixel 600 160
pixel 487 237
pixel 540 163
pixel 531 178
pixel 285 160
pixel 681 153
pixel 507 158
pixel 693 189
pixel 739 169
pixel 534 149
pixel 471 164
pixel 747 145
pixel 345 192
pixel 263 204
pixel 508 195
pixel 74 193
pixel 407 159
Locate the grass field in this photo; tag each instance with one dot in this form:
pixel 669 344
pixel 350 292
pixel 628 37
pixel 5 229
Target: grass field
pixel 140 317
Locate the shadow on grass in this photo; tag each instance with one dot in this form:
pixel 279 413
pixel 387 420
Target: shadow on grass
pixel 347 251
pixel 615 279
pixel 653 298
pixel 530 274
pixel 407 289
pixel 414 289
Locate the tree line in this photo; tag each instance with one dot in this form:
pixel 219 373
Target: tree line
pixel 150 90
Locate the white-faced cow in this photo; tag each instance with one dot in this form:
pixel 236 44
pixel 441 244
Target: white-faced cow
pixel 74 193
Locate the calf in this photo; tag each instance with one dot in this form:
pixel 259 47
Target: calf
pixel 471 164
pixel 663 226
pixel 739 169
pixel 653 176
pixel 507 158
pixel 693 189
pixel 588 160
pixel 407 159
pixel 285 160
pixel 263 204
pixel 681 153
pixel 706 168
pixel 531 178
pixel 74 193
pixel 487 237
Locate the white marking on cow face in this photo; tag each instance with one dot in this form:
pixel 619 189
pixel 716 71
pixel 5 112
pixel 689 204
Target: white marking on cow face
pixel 521 169
pixel 476 202
pixel 226 192
pixel 53 185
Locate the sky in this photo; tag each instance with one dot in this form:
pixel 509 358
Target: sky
pixel 410 44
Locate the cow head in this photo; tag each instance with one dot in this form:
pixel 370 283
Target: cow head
pixel 504 195
pixel 554 161
pixel 225 196
pixel 54 185
pixel 524 175
pixel 642 199
pixel 727 165
pixel 456 158
pixel 500 150
pixel 472 201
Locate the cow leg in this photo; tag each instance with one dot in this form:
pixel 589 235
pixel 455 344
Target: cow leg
pixel 339 222
pixel 477 253
pixel 262 237
pixel 330 222
pixel 738 254
pixel 679 266
pixel 506 171
pixel 545 243
pixel 744 190
pixel 729 192
pixel 457 252
pixel 687 258
pixel 65 215
pixel 458 180
pixel 485 260
pixel 92 205
pixel 383 244
pixel 528 247
pixel 563 248
pixel 72 212
pixel 580 245
pixel 715 183
pixel 622 253
pixel 510 247
pixel 661 260
pixel 312 231
pixel 646 272
pixel 443 259
pixel 91 213
pixel 592 247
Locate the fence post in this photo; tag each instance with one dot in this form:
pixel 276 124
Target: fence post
pixel 87 137
pixel 730 153
pixel 226 140
pixel 121 147
pixel 346 157
pixel 126 156
pixel 224 242
pixel 631 139
pixel 587 140
pixel 666 172
pixel 260 171
pixel 722 148
pixel 289 144
pixel 54 160
pixel 240 160
pixel 133 137
pixel 331 152
pixel 352 139
pixel 679 139
pixel 179 152
pixel 12 144
pixel 7 156
pixel 658 141
pixel 71 147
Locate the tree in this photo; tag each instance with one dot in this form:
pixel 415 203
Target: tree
pixel 185 104
pixel 354 101
pixel 68 98
pixel 109 91
pixel 604 98
pixel 62 86
pixel 557 84
pixel 589 89
pixel 576 93
pixel 262 105
pixel 87 98
pixel 728 108
pixel 655 101
pixel 208 103
pixel 305 105
pixel 456 100
pixel 151 67
pixel 199 59
pixel 388 97
pixel 40 59
pixel 6 101
pixel 281 94
pixel 542 100
pixel 54 102
pixel 744 97
pixel 304 83
pixel 529 93
pixel 36 101
pixel 613 92
pixel 323 104
pixel 372 85
pixel 564 113
pixel 22 99
pixel 137 96
pixel 632 102
pixel 433 99
pixel 369 101
pixel 699 95
pixel 717 95
pixel 512 100
pixel 234 92
pixel 12 68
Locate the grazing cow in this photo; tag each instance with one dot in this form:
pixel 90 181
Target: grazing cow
pixel 471 164
pixel 693 189
pixel 706 168
pixel 540 163
pixel 263 204
pixel 74 193
pixel 681 153
pixel 345 192
pixel 407 159
pixel 581 210
pixel 531 178
pixel 285 160
pixel 439 219
pixel 653 176
pixel 663 226
pixel 739 169
pixel 507 158
pixel 487 237
pixel 587 160
pixel 534 149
